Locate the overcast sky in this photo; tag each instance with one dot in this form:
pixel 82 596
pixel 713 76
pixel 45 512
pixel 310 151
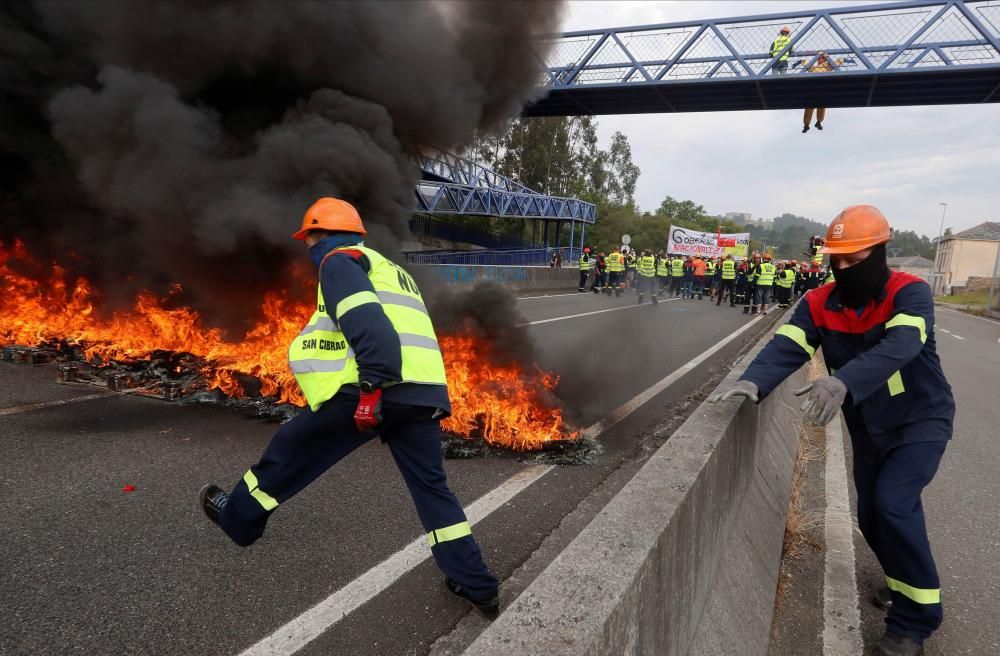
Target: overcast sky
pixel 903 160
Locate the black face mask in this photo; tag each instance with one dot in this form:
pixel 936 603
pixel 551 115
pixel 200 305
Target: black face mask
pixel 862 282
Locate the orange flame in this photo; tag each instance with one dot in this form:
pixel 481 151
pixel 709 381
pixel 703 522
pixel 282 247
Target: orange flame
pixel 504 404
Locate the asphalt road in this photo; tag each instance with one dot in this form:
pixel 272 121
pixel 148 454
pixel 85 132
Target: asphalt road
pixel 961 509
pixel 88 568
pixel 963 520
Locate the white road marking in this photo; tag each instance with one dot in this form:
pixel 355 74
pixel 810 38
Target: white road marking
pixel 958 337
pixel 311 624
pixel 842 619
pixel 634 404
pixel 48 404
pixel 527 298
pixel 308 626
pixel 971 316
pixel 584 314
pixel 945 330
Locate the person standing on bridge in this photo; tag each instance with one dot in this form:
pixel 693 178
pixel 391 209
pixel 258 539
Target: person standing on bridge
pixel 780 42
pixel 368 363
pixel 876 329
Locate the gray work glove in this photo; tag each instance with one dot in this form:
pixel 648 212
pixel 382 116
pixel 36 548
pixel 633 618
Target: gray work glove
pixel 826 395
pixel 742 388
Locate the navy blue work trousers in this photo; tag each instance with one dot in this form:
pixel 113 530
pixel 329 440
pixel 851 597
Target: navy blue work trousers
pixel 891 517
pixel 312 442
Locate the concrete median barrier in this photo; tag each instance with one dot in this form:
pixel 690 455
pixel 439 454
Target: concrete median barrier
pixel 684 560
pixel 520 278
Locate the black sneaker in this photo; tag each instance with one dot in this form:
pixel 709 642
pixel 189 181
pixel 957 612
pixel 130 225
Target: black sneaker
pixel 883 599
pixel 819 126
pixel 805 128
pixel 212 500
pixel 892 644
pixel 488 607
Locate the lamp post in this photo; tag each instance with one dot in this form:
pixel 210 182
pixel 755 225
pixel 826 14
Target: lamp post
pixel 993 281
pixel 937 247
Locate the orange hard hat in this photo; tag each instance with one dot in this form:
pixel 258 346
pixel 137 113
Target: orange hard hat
pixel 856 228
pixel 331 214
pixel 785 29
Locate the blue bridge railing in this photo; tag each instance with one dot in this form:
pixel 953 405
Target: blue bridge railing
pixel 915 34
pixel 428 226
pixel 511 257
pixel 905 53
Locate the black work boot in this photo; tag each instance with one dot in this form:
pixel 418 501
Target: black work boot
pixel 489 607
pixel 819 126
pixel 892 644
pixel 883 599
pixel 805 128
pixel 746 309
pixel 212 500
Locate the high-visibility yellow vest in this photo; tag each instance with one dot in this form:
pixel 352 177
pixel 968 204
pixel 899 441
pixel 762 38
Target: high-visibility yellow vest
pixel 323 361
pixel 630 260
pixel 710 268
pixel 647 266
pixel 786 278
pixel 662 267
pixel 585 262
pixel 767 271
pixel 615 263
pixel 817 257
pixel 778 45
pixel 728 270
pixel 677 267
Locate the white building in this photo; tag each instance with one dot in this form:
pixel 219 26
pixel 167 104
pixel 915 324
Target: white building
pixel 738 217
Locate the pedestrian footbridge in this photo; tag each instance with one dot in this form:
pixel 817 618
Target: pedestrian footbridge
pixel 921 52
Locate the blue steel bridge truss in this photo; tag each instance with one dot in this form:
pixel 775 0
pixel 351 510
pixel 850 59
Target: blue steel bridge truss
pixel 909 53
pixel 454 185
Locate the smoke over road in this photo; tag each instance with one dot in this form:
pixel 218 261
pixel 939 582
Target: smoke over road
pixel 182 141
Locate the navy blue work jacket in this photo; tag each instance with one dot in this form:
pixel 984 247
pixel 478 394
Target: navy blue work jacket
pixel 885 355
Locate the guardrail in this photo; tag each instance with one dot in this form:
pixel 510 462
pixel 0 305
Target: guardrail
pixel 684 560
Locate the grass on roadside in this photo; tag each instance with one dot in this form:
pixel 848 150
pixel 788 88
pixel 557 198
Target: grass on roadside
pixel 802 523
pixel 971 298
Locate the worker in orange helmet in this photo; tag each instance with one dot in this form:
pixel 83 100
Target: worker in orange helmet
pixel 368 364
pixel 584 264
pixel 778 50
pixel 876 329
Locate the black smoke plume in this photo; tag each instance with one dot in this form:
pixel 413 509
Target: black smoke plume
pixel 163 141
